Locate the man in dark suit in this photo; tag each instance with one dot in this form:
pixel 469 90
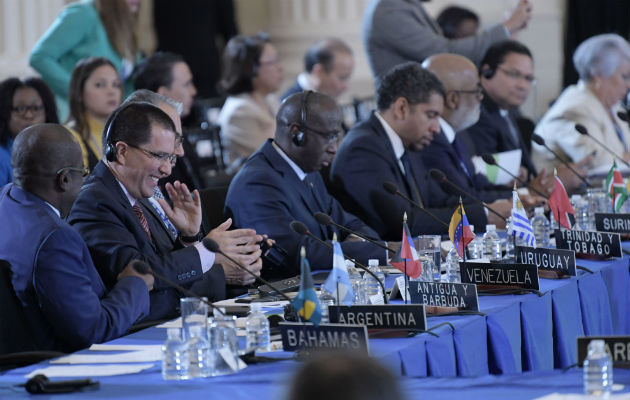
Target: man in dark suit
pixel 65 300
pixel 117 226
pixel 280 183
pixel 328 65
pixel 386 147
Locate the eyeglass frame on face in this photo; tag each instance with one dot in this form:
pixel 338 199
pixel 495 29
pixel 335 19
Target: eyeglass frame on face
pixel 84 171
pixel 161 157
pixel 331 137
pixel 477 92
pixel 22 110
pixel 517 75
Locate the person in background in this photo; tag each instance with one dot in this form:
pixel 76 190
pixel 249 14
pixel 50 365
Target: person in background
pixel 251 74
pixel 88 28
pixel 458 22
pixel 22 104
pixel 328 66
pixel 603 63
pixel 95 91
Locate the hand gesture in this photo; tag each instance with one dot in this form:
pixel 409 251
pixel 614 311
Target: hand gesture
pixel 186 211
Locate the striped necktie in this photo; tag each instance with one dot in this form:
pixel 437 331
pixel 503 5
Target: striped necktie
pixel 143 220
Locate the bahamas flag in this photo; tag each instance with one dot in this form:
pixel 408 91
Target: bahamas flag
pixel 407 253
pixel 338 279
pixel 306 303
pixel 459 230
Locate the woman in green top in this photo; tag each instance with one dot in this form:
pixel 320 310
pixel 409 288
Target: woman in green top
pixel 88 28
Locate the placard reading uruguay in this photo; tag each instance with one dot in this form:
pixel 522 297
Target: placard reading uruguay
pixel 444 294
pixel 605 244
pixel 617 346
pixel 389 316
pixel 325 336
pixel 547 259
pixel 606 222
pixel 500 274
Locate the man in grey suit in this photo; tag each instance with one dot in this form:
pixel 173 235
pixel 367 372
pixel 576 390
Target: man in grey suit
pixel 395 31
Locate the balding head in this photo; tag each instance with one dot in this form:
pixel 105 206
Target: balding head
pixel 461 81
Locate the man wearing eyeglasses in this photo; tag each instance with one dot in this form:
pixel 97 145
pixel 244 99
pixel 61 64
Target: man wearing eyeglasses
pixel 139 145
pixel 281 183
pixel 66 303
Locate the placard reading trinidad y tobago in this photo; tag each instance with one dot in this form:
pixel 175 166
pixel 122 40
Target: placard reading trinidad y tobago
pixel 605 244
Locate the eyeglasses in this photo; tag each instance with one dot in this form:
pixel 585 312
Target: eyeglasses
pixel 514 74
pixel 478 91
pixel 84 171
pixel 161 157
pixel 22 110
pixel 330 137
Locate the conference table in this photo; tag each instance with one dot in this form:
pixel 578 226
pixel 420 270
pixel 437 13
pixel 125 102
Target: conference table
pixel 517 348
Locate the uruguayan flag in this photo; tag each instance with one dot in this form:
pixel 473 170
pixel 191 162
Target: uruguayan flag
pixel 338 278
pixel 520 226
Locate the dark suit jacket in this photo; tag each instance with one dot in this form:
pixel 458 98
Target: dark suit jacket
pixel 267 195
pixel 491 134
pixel 364 161
pixel 442 155
pixel 105 219
pixel 295 88
pixel 65 300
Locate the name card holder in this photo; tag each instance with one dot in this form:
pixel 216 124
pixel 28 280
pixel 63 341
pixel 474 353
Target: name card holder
pixel 297 336
pixel 444 297
pixel 493 277
pixel 607 222
pixel 600 244
pixel 551 263
pixel 617 346
pixel 406 317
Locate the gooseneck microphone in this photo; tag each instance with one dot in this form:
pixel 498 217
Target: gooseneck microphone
pixel 325 219
pixel 488 159
pixel 390 187
pixel 301 229
pixel 583 131
pixel 443 180
pixel 214 247
pixel 539 140
pixel 143 268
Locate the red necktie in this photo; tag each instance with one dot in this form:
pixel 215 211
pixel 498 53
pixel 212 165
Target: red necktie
pixel 142 218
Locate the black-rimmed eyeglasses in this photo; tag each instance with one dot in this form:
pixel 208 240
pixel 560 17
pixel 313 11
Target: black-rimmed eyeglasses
pixel 478 91
pixel 161 157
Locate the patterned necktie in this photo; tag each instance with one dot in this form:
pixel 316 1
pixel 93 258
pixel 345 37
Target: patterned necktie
pixel 460 156
pixel 142 218
pixel 411 180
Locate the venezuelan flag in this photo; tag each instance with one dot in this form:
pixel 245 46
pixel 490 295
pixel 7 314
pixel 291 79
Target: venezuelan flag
pixel 459 230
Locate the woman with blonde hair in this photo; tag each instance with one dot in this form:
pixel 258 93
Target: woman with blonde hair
pixel 88 28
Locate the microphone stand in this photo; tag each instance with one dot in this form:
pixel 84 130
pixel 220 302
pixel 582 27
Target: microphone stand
pixel 393 189
pixel 582 130
pixel 539 140
pixel 325 219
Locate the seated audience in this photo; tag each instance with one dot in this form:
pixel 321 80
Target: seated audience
pixel 251 74
pixel 328 65
pixel 118 226
pixel 386 148
pixel 603 63
pixel 95 91
pixel 458 22
pixel 280 183
pixel 67 305
pixel 22 104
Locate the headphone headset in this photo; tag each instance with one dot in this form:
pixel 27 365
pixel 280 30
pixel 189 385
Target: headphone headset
pixel 299 137
pixel 110 146
pixel 488 73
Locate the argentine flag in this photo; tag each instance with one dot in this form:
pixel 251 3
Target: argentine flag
pixel 338 278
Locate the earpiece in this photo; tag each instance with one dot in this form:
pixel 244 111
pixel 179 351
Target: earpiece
pixel 487 73
pixel 110 146
pixel 299 137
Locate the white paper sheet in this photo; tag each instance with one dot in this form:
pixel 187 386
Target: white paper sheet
pixel 125 347
pixel 510 160
pixel 92 371
pixel 105 358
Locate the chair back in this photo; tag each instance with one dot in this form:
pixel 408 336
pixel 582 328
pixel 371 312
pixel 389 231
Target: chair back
pixel 15 331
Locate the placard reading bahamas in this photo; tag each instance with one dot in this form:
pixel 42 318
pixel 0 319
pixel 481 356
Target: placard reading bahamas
pixel 547 259
pixel 389 316
pixel 499 274
pixel 325 336
pixel 605 244
pixel 443 294
pixel 619 223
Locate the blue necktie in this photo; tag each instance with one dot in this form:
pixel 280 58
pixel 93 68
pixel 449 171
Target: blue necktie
pixel 460 156
pixel 411 181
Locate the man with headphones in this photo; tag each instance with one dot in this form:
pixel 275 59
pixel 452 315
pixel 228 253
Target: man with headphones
pixel 139 144
pixel 281 183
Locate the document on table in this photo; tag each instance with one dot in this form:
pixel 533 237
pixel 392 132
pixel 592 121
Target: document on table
pixel 510 160
pixel 148 355
pixel 91 371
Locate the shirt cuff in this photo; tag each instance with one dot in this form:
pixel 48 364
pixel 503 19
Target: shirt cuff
pixel 205 256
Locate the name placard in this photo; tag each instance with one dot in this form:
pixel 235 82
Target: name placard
pixel 389 316
pixel 547 259
pixel 325 336
pixel 617 346
pixel 605 244
pixel 499 274
pixel 607 222
pixel 444 294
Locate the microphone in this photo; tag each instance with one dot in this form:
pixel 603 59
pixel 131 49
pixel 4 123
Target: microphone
pixel 539 140
pixel 325 219
pixel 582 130
pixel 488 159
pixel 390 187
pixel 213 246
pixel 143 268
pixel 442 179
pixel 301 229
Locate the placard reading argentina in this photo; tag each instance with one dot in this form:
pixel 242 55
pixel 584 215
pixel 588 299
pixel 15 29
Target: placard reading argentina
pixel 386 316
pixel 325 336
pixel 605 244
pixel 500 274
pixel 444 294
pixel 548 259
pixel 606 222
